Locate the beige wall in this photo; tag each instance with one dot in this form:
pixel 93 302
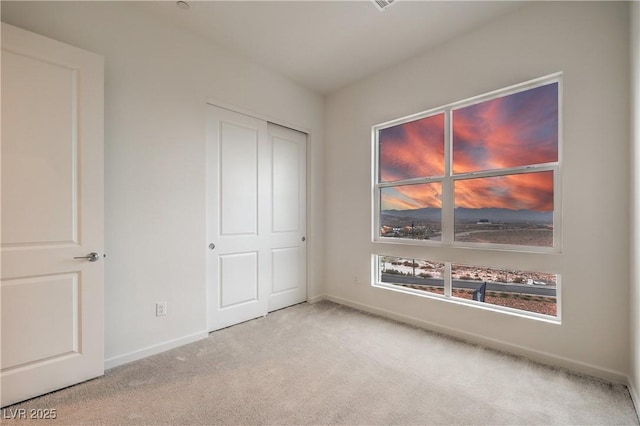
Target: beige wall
pixel 589 42
pixel 157 80
pixel 635 196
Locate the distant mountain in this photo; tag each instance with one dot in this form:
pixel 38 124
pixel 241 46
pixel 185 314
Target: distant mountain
pixel 462 214
pixel 503 215
pixel 429 214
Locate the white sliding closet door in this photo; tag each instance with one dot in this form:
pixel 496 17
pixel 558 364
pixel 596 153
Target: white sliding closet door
pixel 256 261
pixel 289 217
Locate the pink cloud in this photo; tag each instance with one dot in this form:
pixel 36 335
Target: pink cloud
pixel 414 149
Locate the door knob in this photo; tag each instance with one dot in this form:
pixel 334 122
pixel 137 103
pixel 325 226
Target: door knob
pixel 91 257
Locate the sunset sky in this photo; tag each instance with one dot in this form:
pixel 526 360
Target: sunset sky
pixel 414 149
pixel 530 191
pixel 410 197
pixel 515 130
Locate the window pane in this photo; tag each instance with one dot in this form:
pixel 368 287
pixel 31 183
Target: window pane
pixel 526 291
pixel 417 274
pixel 515 130
pixel 411 211
pixel 513 209
pixel 411 150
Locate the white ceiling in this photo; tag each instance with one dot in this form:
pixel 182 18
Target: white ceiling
pixel 325 45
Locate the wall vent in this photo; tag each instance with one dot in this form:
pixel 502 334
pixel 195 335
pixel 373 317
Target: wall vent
pixel 383 4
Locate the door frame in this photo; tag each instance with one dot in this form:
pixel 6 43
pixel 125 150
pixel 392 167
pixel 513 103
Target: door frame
pixel 283 123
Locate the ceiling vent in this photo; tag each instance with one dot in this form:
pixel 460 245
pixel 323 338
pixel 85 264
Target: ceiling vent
pixel 383 4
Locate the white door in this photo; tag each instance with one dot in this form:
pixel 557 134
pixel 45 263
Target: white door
pixel 238 190
pixel 52 212
pixel 289 217
pixel 255 224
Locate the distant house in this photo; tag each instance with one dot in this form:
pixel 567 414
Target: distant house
pixel 484 222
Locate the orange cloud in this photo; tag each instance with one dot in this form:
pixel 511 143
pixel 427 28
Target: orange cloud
pixel 414 149
pixel 410 197
pixel 529 191
pixel 515 130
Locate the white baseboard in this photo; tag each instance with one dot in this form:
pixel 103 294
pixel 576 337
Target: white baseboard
pixel 532 354
pixel 316 299
pixel 165 346
pixel 154 349
pixel 634 396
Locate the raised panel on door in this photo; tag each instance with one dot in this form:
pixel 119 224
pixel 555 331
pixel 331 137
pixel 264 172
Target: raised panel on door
pixel 288 228
pixel 52 211
pixel 238 189
pixel 238 192
pixel 49 214
pixel 47 309
pixel 238 279
pixel 286 184
pixel 285 269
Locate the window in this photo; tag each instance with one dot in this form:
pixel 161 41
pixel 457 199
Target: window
pixel 416 274
pixel 482 173
pixel 479 173
pixel 514 290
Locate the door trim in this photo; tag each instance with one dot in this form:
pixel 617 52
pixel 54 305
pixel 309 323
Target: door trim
pixel 259 116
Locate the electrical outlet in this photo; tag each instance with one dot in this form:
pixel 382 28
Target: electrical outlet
pixel 161 309
pixel 355 279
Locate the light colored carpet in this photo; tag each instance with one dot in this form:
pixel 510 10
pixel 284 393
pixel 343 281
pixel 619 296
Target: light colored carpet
pixel 328 364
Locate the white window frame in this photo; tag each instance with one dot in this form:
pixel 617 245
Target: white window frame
pixel 448 179
pixel 448 295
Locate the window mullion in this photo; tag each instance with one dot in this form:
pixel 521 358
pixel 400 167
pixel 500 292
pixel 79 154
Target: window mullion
pixel 414 181
pixel 507 171
pixel 447 279
pixel 447 184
